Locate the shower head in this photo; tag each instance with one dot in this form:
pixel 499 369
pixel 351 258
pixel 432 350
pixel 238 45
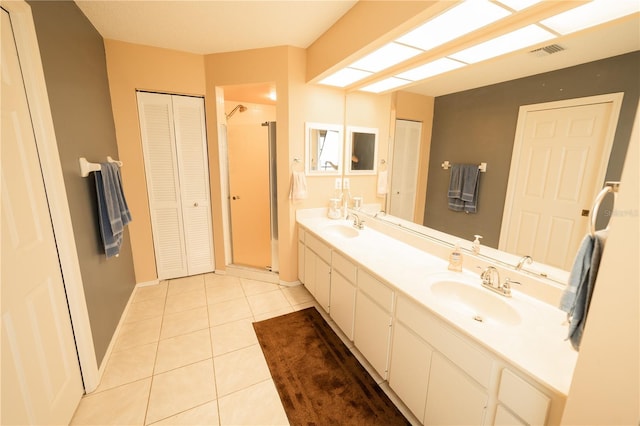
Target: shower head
pixel 240 107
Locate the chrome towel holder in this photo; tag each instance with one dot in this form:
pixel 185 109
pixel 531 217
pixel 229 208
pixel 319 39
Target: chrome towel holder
pixel 610 186
pixel 87 167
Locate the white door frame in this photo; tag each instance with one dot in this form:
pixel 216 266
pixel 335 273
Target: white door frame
pixel 36 92
pixel 616 103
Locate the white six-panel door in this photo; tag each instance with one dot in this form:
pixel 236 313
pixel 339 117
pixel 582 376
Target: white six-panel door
pixel 558 172
pixel 404 179
pixel 41 382
pixel 176 167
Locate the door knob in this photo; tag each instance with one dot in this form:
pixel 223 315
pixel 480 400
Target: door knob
pixel 195 204
pixel 235 197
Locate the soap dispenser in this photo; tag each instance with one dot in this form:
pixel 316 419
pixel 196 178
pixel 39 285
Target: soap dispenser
pixel 475 247
pixel 455 259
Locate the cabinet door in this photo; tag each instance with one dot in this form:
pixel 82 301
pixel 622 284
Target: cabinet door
pixel 372 332
pixel 343 303
pixel 453 397
pixel 409 369
pixel 323 283
pixel 505 418
pixel 301 262
pixel 310 271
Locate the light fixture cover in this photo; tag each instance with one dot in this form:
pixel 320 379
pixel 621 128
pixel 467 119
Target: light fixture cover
pixel 591 14
pixel 384 85
pixel 519 4
pixel 388 55
pixel 462 19
pixel 344 77
pixel 430 69
pixel 506 43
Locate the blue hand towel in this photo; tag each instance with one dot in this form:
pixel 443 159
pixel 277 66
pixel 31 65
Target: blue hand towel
pixel 577 296
pixel 113 211
pixel 463 188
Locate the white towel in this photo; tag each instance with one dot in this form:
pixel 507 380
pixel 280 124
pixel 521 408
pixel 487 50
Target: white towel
pixel 382 183
pixel 298 186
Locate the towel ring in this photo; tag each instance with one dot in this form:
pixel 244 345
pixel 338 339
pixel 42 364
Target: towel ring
pixel 608 187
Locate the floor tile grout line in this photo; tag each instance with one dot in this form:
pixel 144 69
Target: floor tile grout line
pixel 213 362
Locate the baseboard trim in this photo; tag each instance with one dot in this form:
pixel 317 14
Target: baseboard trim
pixel 252 274
pixel 290 283
pixel 148 283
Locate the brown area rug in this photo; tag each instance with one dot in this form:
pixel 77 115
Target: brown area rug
pixel 319 380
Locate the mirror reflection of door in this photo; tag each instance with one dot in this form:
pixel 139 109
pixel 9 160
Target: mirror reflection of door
pixel 404 171
pixel 563 157
pixel 248 155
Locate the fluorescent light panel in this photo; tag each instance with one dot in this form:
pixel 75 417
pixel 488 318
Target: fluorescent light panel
pixel 429 70
pixel 384 85
pixel 519 4
pixel 388 55
pixel 506 43
pixel 591 14
pixel 345 77
pixel 455 22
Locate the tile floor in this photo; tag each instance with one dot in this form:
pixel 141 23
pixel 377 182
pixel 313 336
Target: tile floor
pixel 187 354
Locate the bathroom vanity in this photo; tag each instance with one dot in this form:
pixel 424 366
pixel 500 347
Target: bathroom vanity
pixel 451 350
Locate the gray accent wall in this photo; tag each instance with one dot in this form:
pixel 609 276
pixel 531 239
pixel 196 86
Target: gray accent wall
pixel 479 125
pixel 73 58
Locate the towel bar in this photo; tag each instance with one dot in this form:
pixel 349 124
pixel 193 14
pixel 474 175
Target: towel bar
pixel 593 215
pixel 87 167
pixel 482 166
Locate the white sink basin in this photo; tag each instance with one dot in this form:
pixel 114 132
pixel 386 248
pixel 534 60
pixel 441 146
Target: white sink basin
pixel 481 304
pixel 345 231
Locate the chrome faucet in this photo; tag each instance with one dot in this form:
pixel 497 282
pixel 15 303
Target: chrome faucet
pixel 491 280
pixel 357 222
pixel 525 259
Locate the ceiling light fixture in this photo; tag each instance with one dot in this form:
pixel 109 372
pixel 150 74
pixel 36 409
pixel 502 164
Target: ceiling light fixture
pixel 519 4
pixel 386 84
pixel 345 77
pixel 591 14
pixel 506 43
pixel 430 69
pixel 388 55
pixel 455 22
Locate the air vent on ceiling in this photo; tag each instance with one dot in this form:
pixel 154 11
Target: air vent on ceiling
pixel 547 50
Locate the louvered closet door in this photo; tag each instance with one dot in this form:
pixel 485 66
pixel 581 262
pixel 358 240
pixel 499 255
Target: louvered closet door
pixel 161 169
pixel 193 170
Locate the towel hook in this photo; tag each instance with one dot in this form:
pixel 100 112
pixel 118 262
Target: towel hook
pixel 608 187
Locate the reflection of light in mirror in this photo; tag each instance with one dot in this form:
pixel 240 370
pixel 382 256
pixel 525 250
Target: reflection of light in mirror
pixel 273 96
pixel 590 14
pixel 388 55
pixel 510 42
pixel 386 84
pixel 519 4
pixel 455 22
pixel 328 150
pixel 432 68
pixel 344 77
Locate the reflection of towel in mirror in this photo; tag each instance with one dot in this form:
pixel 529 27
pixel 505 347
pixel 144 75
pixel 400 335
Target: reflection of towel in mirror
pixel 577 296
pixel 382 183
pixel 113 211
pixel 463 188
pixel 298 186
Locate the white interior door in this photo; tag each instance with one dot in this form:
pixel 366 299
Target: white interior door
pixel 404 179
pixel 41 381
pixel 560 148
pixel 177 172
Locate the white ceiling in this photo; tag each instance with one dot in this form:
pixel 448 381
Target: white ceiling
pixel 214 26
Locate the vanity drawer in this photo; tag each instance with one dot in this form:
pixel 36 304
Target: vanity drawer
pixel 320 248
pixel 474 361
pixel 344 266
pixel 522 398
pixel 377 291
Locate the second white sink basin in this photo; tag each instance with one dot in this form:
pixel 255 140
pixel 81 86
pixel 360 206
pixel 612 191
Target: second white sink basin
pixel 478 302
pixel 345 231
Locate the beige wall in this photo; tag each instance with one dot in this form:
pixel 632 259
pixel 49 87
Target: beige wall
pixel 132 67
pixel 411 106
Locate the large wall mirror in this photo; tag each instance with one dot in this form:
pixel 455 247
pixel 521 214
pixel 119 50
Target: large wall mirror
pixel 361 153
pixel 323 149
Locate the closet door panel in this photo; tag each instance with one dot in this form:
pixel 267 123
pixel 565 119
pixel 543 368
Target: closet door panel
pixel 191 144
pixel 163 185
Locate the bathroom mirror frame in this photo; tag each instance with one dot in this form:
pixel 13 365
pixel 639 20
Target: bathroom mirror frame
pixel 312 131
pixel 357 140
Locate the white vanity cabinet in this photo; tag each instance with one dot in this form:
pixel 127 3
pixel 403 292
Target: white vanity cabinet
pixel 343 293
pixel 301 234
pixel 317 269
pixel 373 320
pixel 519 402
